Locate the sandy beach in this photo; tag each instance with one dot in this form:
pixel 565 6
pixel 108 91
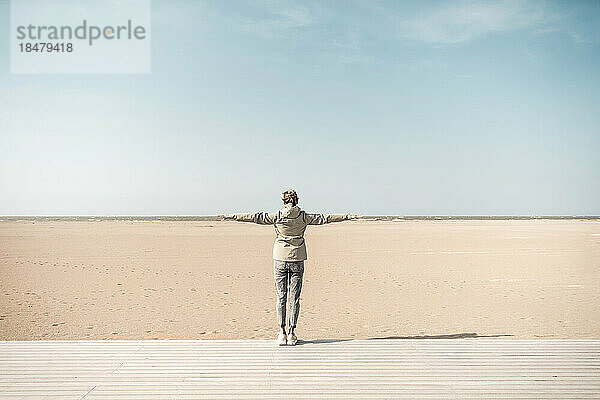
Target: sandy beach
pixel 363 279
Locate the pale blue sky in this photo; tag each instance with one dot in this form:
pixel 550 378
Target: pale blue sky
pixel 369 107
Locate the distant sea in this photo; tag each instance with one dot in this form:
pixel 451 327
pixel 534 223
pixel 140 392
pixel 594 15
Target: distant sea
pixel 372 218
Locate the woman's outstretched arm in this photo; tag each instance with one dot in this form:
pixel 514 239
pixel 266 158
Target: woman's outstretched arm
pixel 261 218
pixel 320 219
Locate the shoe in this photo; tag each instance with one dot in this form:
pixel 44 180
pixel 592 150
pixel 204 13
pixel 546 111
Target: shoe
pixel 281 339
pixel 292 339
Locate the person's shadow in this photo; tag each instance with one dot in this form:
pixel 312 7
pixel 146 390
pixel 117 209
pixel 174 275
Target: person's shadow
pixel 472 335
pixel 320 341
pixel 447 336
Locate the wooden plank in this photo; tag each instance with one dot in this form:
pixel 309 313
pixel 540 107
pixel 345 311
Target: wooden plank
pixel 367 369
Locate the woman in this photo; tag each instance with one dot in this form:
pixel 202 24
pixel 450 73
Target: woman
pixel 289 253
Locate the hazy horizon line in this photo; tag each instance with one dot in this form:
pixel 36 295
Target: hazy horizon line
pixel 363 217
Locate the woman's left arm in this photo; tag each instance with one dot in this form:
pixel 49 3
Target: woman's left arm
pixel 261 218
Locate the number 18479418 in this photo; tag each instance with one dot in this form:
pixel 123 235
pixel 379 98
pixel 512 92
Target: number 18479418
pixel 46 47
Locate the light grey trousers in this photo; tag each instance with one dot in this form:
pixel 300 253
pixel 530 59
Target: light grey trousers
pixel 288 275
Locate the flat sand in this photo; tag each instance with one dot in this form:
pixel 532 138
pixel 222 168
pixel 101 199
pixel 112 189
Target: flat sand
pixel 363 279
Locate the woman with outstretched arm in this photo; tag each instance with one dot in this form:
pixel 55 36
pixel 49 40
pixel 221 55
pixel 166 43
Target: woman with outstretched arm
pixel 289 253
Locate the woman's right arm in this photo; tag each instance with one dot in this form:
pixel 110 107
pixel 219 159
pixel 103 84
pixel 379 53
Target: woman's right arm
pixel 320 219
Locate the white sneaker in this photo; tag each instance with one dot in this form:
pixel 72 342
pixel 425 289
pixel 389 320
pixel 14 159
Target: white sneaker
pixel 281 339
pixel 292 339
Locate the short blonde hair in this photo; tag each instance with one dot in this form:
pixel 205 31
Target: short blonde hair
pixel 290 196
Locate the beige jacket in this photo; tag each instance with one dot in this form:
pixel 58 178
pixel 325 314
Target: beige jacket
pixel 290 224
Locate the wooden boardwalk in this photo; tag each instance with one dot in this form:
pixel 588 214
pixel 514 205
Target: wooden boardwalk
pixel 257 369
